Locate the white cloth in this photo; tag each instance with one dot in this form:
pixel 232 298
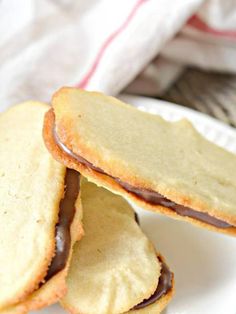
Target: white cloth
pixel 104 44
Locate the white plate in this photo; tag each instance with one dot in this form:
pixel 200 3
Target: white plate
pixel 204 262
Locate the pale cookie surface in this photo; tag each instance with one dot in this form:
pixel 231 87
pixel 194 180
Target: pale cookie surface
pixel 54 289
pixel 146 151
pixel 114 267
pixel 28 207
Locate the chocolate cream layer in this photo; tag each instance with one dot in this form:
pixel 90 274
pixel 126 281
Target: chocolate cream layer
pixel 148 196
pixel 163 287
pixel 66 215
pixel 164 283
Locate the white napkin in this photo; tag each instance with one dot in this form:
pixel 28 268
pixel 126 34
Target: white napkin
pixel 105 44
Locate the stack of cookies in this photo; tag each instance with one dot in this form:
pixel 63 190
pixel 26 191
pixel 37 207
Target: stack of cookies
pixel 68 233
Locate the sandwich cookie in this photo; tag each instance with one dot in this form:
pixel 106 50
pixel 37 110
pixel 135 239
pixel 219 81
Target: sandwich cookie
pixel 40 213
pixel 167 167
pixel 114 268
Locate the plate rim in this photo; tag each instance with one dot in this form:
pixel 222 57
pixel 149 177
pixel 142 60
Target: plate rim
pixel 181 109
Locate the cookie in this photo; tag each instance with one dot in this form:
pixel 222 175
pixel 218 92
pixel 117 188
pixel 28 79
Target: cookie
pixel 167 167
pixel 114 268
pixel 40 213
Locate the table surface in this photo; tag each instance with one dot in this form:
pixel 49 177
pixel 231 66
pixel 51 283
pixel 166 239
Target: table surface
pixel 208 92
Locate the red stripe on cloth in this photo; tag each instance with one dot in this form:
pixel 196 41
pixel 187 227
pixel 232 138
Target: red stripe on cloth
pixel 84 82
pixel 199 24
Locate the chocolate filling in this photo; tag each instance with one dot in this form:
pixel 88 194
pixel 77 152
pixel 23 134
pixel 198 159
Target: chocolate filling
pixel 164 285
pixel 66 215
pixel 136 217
pixel 149 196
pixel 155 198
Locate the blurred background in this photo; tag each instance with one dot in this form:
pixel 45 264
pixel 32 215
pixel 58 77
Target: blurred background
pixel 183 51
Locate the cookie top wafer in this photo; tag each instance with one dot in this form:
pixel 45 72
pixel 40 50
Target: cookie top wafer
pixel 114 267
pixel 137 154
pixel 31 188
